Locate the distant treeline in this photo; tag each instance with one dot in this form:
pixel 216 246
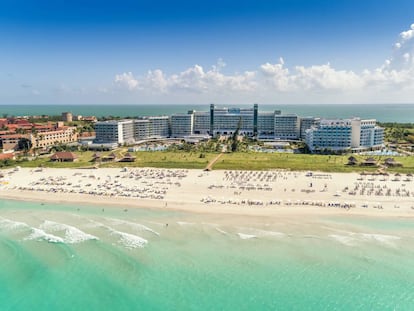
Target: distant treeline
pixel 397 125
pixel 44 119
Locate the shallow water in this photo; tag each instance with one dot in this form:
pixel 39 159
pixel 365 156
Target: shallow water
pixel 62 257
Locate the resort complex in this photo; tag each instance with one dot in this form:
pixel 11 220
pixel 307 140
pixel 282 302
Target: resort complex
pixel 319 134
pixel 19 134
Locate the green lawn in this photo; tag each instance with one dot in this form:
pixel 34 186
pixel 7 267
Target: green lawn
pixel 239 161
pixel 164 159
pixel 303 162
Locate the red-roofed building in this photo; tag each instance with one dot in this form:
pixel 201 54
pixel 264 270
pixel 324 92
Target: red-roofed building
pixel 3 122
pixel 89 119
pixel 7 156
pixel 63 135
pixel 12 141
pixel 22 122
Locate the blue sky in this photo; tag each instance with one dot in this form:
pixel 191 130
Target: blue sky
pixel 140 52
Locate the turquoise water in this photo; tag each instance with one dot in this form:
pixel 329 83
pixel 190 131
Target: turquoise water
pixel 61 257
pixel 403 113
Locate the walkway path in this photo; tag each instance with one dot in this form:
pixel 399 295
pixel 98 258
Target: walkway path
pixel 211 163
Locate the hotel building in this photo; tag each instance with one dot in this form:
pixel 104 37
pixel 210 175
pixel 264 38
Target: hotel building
pixel 115 131
pixel 159 127
pixel 305 124
pixel 344 135
pixel 319 134
pixel 61 135
pixel 182 124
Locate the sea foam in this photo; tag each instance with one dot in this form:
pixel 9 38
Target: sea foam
pixel 133 225
pixel 7 224
pixel 184 223
pixel 344 239
pixel 380 238
pixel 245 236
pixel 130 241
pixel 221 231
pixel 39 235
pixel 36 234
pixel 353 238
pixel 73 235
pixel 262 233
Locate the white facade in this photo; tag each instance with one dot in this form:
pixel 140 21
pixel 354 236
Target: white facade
pixel 319 134
pixel 201 123
pixel 266 125
pixel 114 131
pixel 286 127
pixel 159 126
pixel 343 135
pixel 182 124
pixel 141 129
pixel 306 123
pixel 228 120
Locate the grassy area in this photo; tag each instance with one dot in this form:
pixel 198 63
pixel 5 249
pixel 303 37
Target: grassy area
pixel 164 159
pixel 84 159
pixel 237 160
pixel 303 162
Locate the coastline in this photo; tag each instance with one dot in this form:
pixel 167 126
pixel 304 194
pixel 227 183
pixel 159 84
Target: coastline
pixel 272 193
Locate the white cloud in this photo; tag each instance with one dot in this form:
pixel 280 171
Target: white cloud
pixel 271 80
pixel 324 77
pixel 127 79
pixel 194 80
pixel 407 35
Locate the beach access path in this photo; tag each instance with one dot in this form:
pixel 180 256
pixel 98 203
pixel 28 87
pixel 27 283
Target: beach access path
pixel 211 163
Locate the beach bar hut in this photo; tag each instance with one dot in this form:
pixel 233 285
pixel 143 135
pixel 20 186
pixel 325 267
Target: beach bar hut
pixel 369 162
pixel 391 162
pixel 64 156
pixel 127 158
pixel 352 161
pixel 109 157
pixel 96 157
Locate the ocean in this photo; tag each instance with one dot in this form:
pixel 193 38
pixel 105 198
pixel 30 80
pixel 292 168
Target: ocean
pixel 67 257
pixel 403 113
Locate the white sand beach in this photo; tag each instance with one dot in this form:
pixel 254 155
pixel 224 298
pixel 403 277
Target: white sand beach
pixel 240 192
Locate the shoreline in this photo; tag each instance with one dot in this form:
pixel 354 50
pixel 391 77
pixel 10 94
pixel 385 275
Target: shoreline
pixel 254 193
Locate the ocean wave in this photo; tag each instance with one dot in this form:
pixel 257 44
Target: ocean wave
pixel 35 233
pixel 245 236
pixel 380 238
pixel 263 233
pixel 344 239
pixel 41 235
pixel 133 225
pixel 73 235
pixel 221 231
pixel 184 223
pixel 7 224
pixel 353 238
pixel 129 240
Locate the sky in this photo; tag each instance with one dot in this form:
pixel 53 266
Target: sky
pixel 198 52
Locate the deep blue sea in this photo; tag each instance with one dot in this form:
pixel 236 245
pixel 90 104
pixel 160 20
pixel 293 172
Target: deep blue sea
pixel 63 257
pixel 403 113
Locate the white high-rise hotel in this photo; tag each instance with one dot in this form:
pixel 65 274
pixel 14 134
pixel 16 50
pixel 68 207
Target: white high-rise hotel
pixel 319 134
pixel 347 134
